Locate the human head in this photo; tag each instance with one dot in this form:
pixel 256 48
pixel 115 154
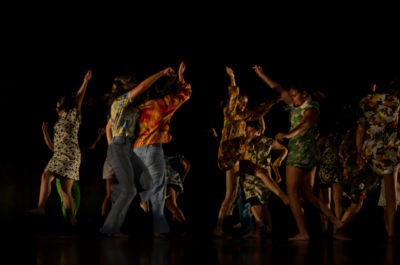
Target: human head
pixel 299 94
pixel 121 84
pixel 253 129
pixel 65 103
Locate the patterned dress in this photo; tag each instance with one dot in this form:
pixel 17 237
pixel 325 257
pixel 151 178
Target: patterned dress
pixel 359 182
pixel 259 153
pixel 66 159
pixel 173 175
pixel 330 169
pixel 231 148
pixel 303 149
pixel 380 115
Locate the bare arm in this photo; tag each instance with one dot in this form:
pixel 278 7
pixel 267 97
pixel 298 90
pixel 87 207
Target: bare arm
pixel 186 166
pixel 229 71
pixel 182 68
pixel 82 90
pixel 262 122
pixel 47 138
pixel 274 85
pixel 109 132
pixel 309 119
pixel 145 84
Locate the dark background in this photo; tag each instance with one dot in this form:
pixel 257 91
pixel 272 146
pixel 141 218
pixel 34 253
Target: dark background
pixel 47 53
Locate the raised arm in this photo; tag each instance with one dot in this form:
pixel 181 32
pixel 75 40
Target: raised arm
pixel 182 68
pixel 229 71
pixel 145 84
pixel 47 138
pixel 262 123
pixel 274 85
pixel 309 119
pixel 82 90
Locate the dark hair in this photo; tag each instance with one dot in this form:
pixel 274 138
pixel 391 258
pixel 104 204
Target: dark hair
pixel 121 84
pixel 303 86
pixel 67 102
pixel 162 87
pixel 254 124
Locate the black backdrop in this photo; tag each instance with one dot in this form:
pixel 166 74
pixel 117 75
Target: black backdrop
pixel 45 56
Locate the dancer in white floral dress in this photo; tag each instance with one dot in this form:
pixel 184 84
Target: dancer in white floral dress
pixel 66 159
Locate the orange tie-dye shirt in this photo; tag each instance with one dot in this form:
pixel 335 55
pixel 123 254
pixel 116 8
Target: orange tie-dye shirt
pixel 155 116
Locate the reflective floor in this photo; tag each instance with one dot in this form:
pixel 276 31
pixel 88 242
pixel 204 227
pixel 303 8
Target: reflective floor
pixel 89 249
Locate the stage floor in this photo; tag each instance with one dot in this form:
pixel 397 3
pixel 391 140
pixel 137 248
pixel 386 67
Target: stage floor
pixel 43 249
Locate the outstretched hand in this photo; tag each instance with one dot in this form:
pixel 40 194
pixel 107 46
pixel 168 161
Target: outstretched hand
pixel 280 136
pixel 88 75
pixel 229 71
pixel 169 71
pixel 258 69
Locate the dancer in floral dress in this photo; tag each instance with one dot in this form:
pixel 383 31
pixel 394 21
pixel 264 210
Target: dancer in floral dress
pixel 66 159
pixel 232 149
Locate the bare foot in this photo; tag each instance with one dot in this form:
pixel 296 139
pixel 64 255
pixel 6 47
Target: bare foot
pixel 337 224
pixel 37 211
pixel 299 237
pixel 145 206
pixel 120 235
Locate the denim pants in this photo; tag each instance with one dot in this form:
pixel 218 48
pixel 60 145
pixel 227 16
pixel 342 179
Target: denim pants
pixel 153 157
pixel 132 177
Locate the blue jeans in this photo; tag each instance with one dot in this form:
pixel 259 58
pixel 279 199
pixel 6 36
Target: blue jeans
pixel 153 157
pixel 132 176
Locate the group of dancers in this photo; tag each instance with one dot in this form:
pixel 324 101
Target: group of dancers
pixel 361 158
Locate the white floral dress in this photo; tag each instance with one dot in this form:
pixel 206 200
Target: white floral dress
pixel 66 159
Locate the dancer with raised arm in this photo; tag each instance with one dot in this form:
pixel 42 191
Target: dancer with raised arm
pixel 131 174
pixel 303 152
pixel 66 159
pixel 232 149
pixel 154 117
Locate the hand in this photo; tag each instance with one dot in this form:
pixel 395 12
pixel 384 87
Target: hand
pixel 258 69
pixel 168 71
pixel 44 126
pixel 88 75
pixel 182 68
pixel 213 132
pixel 280 136
pixel 229 71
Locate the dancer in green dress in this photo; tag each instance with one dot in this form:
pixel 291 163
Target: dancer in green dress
pixel 303 152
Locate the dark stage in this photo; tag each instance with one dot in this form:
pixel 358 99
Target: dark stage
pixel 40 64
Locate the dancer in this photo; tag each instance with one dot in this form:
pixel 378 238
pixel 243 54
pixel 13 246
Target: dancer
pixel 131 174
pixel 75 190
pixel 154 116
pixel 175 180
pixel 377 153
pixel 255 191
pixel 303 152
pixel 330 173
pixel 232 149
pixel 66 159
